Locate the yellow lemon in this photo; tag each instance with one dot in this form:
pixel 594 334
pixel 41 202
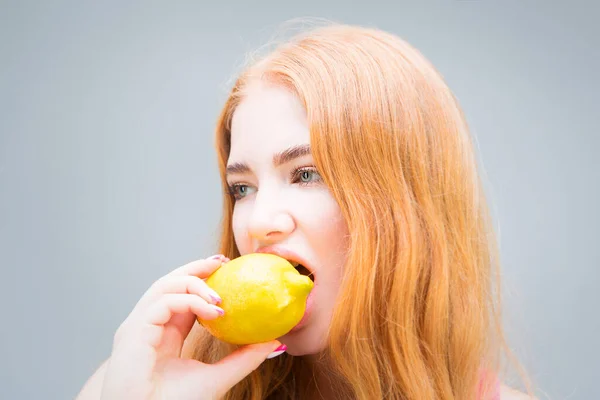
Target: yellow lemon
pixel 263 295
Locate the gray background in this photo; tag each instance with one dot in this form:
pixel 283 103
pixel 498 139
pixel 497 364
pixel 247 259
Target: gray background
pixel 108 178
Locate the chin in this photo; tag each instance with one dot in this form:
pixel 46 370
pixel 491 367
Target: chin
pixel 304 342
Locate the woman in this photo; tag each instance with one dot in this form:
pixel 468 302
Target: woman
pixel 343 150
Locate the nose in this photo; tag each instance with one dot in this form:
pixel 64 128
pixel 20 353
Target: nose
pixel 269 221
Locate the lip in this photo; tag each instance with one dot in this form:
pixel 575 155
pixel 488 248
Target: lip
pixel 307 312
pixel 290 256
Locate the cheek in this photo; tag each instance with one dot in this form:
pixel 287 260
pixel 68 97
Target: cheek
pixel 238 225
pixel 326 230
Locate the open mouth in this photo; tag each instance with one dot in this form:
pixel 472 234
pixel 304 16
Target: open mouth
pixel 303 270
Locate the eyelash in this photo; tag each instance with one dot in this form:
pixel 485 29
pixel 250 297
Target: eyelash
pixel 296 173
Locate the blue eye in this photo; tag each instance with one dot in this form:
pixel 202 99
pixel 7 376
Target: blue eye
pixel 239 190
pixel 306 175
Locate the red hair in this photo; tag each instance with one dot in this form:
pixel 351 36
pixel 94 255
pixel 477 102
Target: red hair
pixel 390 141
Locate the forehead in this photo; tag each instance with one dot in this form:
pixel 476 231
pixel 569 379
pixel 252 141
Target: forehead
pixel 269 119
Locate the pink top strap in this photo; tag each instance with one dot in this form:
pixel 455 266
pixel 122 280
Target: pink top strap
pixel 495 395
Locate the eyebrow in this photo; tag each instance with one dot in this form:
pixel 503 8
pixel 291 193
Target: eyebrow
pixel 280 158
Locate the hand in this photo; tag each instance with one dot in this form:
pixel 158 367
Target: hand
pixel 145 362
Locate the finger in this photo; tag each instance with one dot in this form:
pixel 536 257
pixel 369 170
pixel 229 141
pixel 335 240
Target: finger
pixel 183 284
pixel 201 268
pixel 237 365
pixel 170 304
pixel 198 268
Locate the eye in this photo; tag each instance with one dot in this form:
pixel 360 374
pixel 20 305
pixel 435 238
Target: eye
pixel 306 175
pixel 239 190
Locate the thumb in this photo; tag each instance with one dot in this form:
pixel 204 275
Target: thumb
pixel 236 366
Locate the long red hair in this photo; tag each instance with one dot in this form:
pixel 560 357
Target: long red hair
pixel 390 141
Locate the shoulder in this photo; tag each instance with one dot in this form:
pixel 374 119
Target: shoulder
pixel 507 393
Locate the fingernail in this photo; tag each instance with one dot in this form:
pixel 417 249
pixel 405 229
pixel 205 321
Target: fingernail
pixel 220 257
pixel 218 309
pixel 214 296
pixel 278 351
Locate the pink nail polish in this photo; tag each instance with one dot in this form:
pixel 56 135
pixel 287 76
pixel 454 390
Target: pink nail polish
pixel 218 309
pixel 216 257
pixel 216 299
pixel 278 351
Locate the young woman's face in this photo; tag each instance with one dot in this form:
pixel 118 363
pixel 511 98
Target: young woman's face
pixel 282 205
